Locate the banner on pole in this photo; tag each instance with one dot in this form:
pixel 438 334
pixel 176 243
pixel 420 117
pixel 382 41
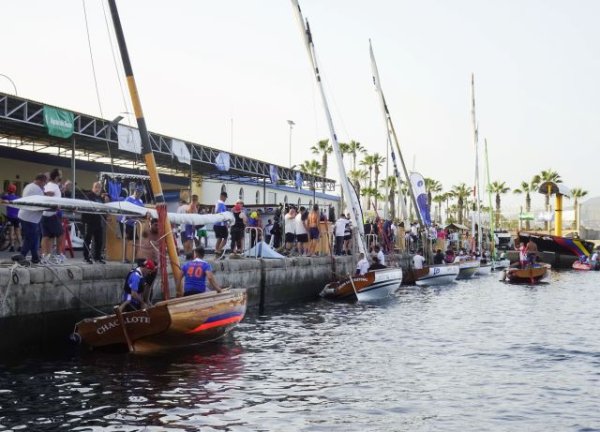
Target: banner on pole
pixel 129 139
pixel 181 151
pixel 222 161
pixel 58 122
pixel 418 185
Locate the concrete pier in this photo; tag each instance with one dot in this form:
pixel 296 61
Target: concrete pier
pixel 40 305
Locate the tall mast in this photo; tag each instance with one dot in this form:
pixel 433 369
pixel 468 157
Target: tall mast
pixel 386 119
pixel 146 148
pixel 476 193
pixel 489 190
pixel 390 128
pixel 356 218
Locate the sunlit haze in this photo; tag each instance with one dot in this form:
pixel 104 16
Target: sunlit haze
pixel 229 74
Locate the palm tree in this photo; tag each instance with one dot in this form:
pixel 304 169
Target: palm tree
pixel 355 148
pixel 391 183
pixel 526 188
pixel 577 193
pixel 439 199
pixel 356 177
pixel 312 168
pixel 322 148
pixel 368 163
pixel 371 192
pixel 378 160
pixel 433 187
pixel 549 176
pixel 461 192
pixel 498 188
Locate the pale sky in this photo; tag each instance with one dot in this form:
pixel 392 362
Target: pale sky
pixel 199 64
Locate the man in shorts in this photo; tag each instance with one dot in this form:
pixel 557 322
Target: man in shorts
pixel 51 221
pixel 221 232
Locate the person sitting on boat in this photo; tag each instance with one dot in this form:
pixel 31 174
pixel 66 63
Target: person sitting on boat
pixel 196 272
pixel 379 254
pixel 532 251
pixel 594 260
pixel 450 256
pixel 438 258
pixel 135 285
pixel 522 255
pixel 418 260
pixel 362 267
pixel 376 264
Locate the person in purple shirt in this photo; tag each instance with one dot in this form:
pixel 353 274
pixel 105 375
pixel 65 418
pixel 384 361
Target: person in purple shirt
pixel 12 214
pixel 195 273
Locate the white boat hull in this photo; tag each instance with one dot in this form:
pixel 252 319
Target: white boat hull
pixel 439 275
pixel 467 269
pixel 484 269
pixel 386 282
pixel 501 264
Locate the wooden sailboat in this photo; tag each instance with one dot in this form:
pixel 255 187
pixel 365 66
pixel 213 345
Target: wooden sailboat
pixel 172 322
pixel 378 283
pixel 529 275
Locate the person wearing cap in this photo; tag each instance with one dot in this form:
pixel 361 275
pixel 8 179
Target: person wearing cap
pixel 221 232
pixel 237 229
pixel 253 221
pixel 12 214
pixel 195 273
pixel 30 220
pixel 134 297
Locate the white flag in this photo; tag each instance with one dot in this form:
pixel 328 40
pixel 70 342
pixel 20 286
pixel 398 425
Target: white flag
pixel 129 139
pixel 180 151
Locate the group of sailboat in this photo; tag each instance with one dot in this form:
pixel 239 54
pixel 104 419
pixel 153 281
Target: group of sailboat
pixel 374 284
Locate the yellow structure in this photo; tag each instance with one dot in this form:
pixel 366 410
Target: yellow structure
pixel 560 190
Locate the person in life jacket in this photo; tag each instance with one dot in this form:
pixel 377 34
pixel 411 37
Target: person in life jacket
pixel 134 286
pixel 195 273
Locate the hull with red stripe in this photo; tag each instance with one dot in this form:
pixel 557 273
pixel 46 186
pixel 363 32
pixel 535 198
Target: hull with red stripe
pixel 169 324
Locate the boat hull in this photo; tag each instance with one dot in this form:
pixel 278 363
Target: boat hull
pixel 484 269
pixel 374 285
pixel 467 269
pixel 500 264
pixel 578 265
pixel 436 275
pixel 169 324
pixel 574 247
pixel 530 275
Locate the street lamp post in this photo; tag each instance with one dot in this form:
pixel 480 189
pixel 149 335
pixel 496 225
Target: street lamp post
pixel 12 82
pixel 291 123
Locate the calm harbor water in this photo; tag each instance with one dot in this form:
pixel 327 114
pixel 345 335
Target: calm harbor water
pixel 476 355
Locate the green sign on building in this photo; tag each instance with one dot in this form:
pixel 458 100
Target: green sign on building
pixel 59 123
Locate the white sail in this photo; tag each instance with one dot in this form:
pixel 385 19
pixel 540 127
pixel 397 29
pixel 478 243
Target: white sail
pixel 391 130
pixel 176 218
pixel 387 120
pixel 123 208
pixel 477 197
pixel 355 216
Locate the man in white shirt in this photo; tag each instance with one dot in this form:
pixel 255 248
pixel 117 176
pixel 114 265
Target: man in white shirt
pixel 289 221
pixel 30 220
pixel 418 260
pixel 52 221
pixel 380 255
pixel 339 231
pixel 362 266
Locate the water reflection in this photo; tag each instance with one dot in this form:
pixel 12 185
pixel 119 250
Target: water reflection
pixel 476 355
